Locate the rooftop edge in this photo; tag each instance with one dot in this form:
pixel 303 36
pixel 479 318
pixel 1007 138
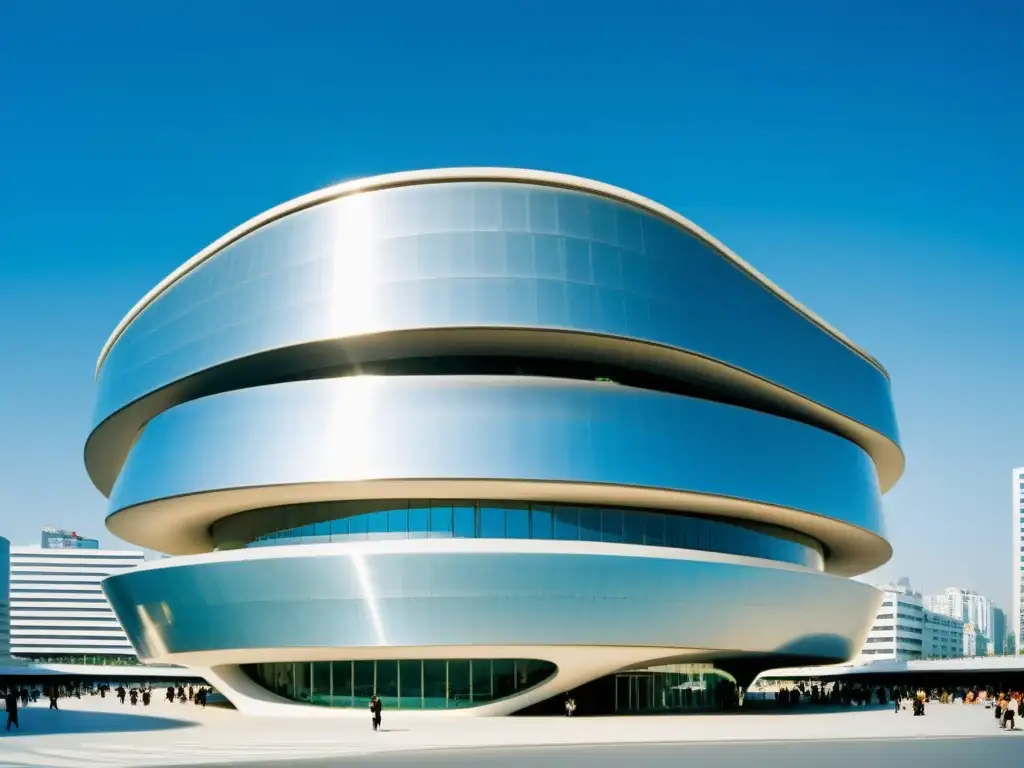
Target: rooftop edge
pixel 446 175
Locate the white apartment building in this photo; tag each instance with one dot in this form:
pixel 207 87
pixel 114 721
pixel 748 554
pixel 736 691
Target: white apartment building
pixel 58 610
pixel 905 629
pixel 898 631
pixel 1017 626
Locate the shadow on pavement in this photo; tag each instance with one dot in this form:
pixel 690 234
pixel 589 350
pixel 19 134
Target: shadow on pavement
pixel 40 722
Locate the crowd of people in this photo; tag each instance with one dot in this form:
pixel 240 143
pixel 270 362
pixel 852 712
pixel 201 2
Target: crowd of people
pixel 16 697
pixel 1006 704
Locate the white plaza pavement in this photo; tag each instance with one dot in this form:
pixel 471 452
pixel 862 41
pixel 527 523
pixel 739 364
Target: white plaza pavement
pixel 99 732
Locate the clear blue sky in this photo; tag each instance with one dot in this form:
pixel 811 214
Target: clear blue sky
pixel 864 154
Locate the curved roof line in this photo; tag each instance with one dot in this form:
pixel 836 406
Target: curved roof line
pixel 442 175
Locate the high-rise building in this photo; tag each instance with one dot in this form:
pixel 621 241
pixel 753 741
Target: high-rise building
pixel 59 611
pixel 5 598
pixel 58 538
pixel 975 643
pixel 943 636
pixel 970 608
pixel 1017 625
pixel 998 633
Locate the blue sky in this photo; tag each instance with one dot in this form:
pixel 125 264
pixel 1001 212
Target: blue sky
pixel 865 155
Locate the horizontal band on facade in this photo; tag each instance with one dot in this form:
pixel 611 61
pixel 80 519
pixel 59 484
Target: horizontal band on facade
pixel 464 175
pixel 377 598
pixel 486 438
pixel 503 519
pixel 653 366
pixel 342 281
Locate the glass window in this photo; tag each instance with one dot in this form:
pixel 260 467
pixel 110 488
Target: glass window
pixel 387 683
pixel 362 683
pixel 358 526
pixel 321 688
pixel 531 673
pixel 611 525
pixel 486 209
pixel 567 524
pixel 521 520
pixel 513 210
pixel 464 520
pixel 655 534
pixel 716 532
pixel 440 521
pixel 435 684
pixel 540 522
pixel 543 214
pixel 519 255
pixel 698 534
pixel 341 683
pixel 633 528
pixel 577 261
pixel 377 522
pixel 419 522
pixel 307 530
pixel 339 528
pixel 398 522
pixel 286 680
pixel 573 216
pixel 675 531
pixel 492 523
pixel 458 684
pixel 410 680
pixel 504 674
pixel 303 691
pixel 517 522
pixel 590 523
pixel 602 221
pixel 481 674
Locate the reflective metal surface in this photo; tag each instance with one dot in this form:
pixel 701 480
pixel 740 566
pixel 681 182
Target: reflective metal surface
pixel 434 595
pixel 367 429
pixel 573 360
pixel 461 255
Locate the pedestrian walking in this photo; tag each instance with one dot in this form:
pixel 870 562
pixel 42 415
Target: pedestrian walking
pixel 11 702
pixel 375 710
pixel 1009 711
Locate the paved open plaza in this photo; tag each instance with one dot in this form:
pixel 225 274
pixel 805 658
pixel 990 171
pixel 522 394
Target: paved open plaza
pixel 101 732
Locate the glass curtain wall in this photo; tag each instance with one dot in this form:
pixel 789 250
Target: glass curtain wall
pixel 401 684
pixel 673 688
pixel 523 520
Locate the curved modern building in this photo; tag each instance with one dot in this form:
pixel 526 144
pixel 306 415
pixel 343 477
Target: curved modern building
pixel 469 439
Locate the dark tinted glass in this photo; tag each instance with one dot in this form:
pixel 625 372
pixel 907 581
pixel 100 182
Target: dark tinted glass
pixel 525 520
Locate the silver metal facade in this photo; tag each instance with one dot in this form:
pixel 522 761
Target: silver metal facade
pixel 479 335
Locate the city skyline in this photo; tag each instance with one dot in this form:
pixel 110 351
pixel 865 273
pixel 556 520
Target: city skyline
pixel 890 210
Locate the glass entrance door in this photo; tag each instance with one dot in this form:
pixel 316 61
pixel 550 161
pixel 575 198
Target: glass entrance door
pixel 634 693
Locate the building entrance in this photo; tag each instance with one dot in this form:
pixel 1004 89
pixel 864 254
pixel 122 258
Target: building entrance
pixel 634 693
